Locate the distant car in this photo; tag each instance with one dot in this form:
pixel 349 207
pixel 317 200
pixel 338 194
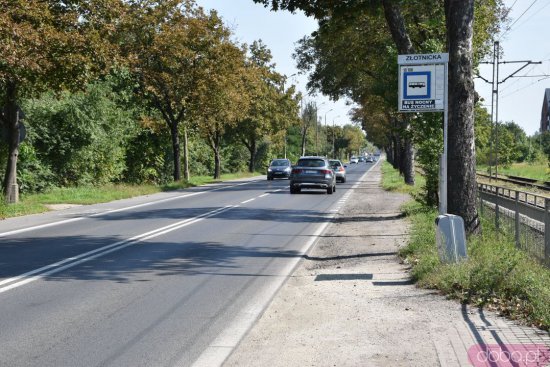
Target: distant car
pixel 361 159
pixel 279 168
pixel 312 172
pixel 354 160
pixel 369 159
pixel 339 169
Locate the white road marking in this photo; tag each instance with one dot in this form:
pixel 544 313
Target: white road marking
pixel 248 201
pixel 36 274
pixel 42 226
pixel 218 350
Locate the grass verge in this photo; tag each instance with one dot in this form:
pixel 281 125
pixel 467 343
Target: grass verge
pixel 536 171
pixel 496 275
pixel 38 203
pixel 393 181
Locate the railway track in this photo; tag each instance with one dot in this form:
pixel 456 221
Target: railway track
pixel 520 181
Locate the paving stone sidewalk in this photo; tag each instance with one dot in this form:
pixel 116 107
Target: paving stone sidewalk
pixel 351 302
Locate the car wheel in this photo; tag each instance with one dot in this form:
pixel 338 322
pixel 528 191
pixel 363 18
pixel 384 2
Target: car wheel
pixel 343 179
pixel 330 190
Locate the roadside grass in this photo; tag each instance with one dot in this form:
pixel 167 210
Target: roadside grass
pixel 497 275
pixel 536 171
pixel 38 203
pixel 393 181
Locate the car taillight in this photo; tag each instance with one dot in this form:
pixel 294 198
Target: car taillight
pixel 327 171
pixel 296 171
pixel 341 169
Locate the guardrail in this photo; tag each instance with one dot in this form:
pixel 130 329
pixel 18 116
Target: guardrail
pixel 525 215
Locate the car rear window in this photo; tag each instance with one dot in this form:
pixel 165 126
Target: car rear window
pixel 311 163
pixel 335 163
pixel 280 162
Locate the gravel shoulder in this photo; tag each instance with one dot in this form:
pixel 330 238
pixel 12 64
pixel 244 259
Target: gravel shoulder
pixel 351 302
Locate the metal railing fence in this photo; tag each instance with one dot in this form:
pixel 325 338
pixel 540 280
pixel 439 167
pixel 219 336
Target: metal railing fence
pixel 524 215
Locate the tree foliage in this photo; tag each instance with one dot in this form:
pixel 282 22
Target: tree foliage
pixel 49 45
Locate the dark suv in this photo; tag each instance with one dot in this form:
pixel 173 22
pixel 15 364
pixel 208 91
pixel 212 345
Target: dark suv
pixel 279 168
pixel 312 173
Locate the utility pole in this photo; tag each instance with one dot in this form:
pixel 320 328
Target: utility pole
pixel 495 82
pixel 334 137
pixel 326 134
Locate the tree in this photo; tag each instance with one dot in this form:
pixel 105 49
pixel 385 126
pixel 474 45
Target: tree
pixel 49 45
pixel 461 159
pixel 222 98
pixel 309 118
pixel 271 108
pixel 460 44
pixel 167 44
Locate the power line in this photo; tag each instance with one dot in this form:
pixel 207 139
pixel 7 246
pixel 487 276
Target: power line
pixel 535 13
pixel 527 86
pixel 531 69
pixel 509 28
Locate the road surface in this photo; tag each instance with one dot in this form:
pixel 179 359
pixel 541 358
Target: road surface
pixel 172 279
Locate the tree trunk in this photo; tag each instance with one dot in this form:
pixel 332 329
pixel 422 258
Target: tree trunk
pixel 400 37
pixel 252 149
pixel 11 121
pixel 395 150
pixel 408 155
pixel 396 24
pixel 176 150
pixel 186 174
pixel 215 143
pixel 461 141
pixel 304 140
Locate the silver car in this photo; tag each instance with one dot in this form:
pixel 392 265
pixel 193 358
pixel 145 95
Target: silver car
pixel 312 173
pixel 339 169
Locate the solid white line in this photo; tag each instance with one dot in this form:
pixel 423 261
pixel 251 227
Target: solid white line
pixel 76 260
pixel 42 226
pixel 261 196
pixel 218 351
pixel 248 201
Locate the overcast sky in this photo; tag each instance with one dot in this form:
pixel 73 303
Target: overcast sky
pixel 520 97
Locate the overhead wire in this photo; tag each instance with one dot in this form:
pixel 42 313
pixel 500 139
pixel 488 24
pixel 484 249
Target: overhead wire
pixel 509 28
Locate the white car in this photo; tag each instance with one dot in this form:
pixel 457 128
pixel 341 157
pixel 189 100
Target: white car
pixel 354 160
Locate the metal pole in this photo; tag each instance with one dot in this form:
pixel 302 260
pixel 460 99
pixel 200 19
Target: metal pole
pixel 517 220
pixel 443 163
pixel 547 231
pixel 492 152
pixel 497 211
pixel 496 110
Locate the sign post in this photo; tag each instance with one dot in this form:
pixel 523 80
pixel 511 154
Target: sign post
pixel 423 87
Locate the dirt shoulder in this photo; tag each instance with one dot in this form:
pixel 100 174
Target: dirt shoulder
pixel 351 302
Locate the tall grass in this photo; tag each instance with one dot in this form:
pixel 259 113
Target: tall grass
pixel 496 274
pixel 536 171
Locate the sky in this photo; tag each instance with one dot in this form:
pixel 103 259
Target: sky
pixel 279 31
pixel 520 98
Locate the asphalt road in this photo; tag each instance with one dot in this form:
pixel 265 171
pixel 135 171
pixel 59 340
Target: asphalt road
pixel 173 279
